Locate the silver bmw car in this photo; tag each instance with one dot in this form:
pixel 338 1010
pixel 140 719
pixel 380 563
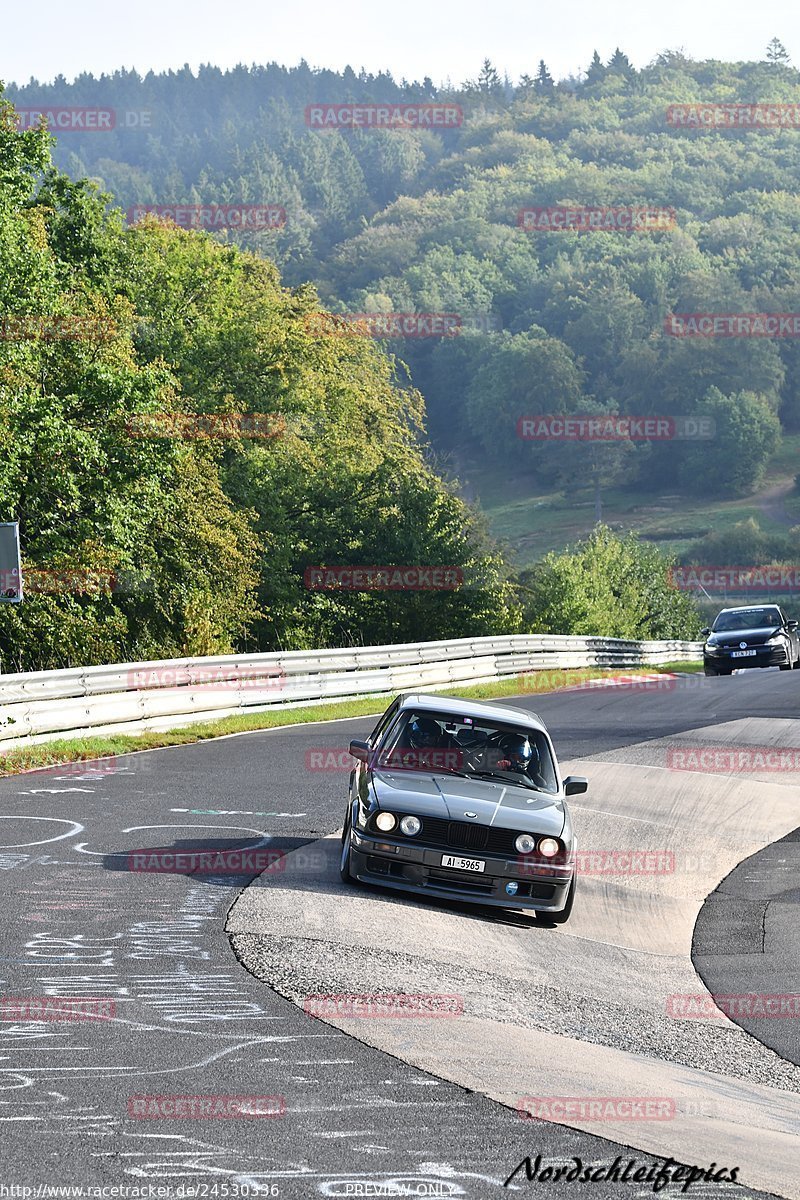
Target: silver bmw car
pixel 462 800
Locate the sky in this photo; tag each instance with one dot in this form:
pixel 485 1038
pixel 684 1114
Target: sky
pixel 444 39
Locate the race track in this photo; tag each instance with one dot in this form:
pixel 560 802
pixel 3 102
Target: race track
pixel 578 1011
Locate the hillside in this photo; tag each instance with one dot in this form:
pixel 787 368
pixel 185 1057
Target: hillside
pixel 427 221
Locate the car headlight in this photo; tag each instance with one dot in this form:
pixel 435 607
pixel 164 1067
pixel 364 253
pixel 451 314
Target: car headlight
pixel 525 844
pixel 549 847
pixel 386 822
pixel 410 825
pixel 712 647
pixel 777 640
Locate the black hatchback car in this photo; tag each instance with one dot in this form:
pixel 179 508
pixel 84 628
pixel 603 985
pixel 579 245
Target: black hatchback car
pixel 756 636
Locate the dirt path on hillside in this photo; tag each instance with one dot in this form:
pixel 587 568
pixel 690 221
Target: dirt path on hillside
pixel 772 503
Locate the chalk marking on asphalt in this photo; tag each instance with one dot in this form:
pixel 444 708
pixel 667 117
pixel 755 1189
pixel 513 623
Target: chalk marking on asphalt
pixel 124 1071
pixel 54 791
pixel 76 828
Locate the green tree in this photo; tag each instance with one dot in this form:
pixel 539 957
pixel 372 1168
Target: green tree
pixel 544 80
pixel 732 462
pixel 620 64
pixel 489 82
pixel 522 375
pixel 608 586
pixel 596 71
pixel 777 55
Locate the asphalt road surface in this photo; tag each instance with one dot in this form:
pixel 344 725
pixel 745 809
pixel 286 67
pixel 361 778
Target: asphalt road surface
pixel 173 1006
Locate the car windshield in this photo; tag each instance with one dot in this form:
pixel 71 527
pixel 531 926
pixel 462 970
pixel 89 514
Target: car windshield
pixel 448 743
pixel 747 618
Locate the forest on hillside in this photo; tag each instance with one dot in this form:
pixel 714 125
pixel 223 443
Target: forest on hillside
pixel 427 221
pixel 209 540
pixel 183 453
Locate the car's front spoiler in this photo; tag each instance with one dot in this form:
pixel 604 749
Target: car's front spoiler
pixel 418 869
pixel 769 656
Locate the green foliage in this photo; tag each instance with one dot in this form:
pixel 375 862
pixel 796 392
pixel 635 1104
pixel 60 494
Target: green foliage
pixel 428 220
pixel 745 544
pixel 746 432
pixel 149 546
pixel 608 586
pixel 382 220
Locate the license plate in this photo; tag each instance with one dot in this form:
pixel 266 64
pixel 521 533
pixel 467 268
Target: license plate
pixel 463 864
pixel 741 653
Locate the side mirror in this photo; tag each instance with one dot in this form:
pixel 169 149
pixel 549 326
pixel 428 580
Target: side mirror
pixel 574 785
pixel 705 632
pixel 791 624
pixel 360 750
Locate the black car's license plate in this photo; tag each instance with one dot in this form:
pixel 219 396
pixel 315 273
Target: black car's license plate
pixel 742 653
pixel 463 864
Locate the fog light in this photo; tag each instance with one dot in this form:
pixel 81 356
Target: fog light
pixel 549 847
pixel 386 822
pixel 525 843
pixel 411 825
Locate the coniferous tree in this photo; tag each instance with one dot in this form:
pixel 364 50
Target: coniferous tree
pixel 544 80
pixel 777 54
pixel 596 72
pixel 620 64
pixel 489 82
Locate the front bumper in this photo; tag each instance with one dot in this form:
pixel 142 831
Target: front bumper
pixel 410 867
pixel 765 656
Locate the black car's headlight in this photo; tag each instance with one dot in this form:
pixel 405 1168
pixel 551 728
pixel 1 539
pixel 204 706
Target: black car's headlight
pixel 525 843
pixel 410 825
pixel 713 648
pixel 385 821
pixel 777 640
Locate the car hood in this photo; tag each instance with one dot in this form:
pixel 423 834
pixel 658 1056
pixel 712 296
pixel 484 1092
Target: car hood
pixel 753 637
pixel 451 797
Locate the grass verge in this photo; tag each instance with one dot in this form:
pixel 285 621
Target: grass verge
pixel 70 750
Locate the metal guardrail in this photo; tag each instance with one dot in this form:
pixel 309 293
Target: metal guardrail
pixel 133 697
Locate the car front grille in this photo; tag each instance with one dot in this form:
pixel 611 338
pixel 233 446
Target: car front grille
pixel 459 835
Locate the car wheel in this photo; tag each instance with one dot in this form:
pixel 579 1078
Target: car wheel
pixel 785 667
pixel 344 861
pixel 724 670
pixel 796 663
pixel 558 918
pixel 709 671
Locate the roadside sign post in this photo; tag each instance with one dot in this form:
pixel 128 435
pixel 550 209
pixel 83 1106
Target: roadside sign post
pixel 10 565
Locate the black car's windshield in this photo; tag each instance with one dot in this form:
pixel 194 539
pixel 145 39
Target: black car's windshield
pixel 461 745
pixel 747 618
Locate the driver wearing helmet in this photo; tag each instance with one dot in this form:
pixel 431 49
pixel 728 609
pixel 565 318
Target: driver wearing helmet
pixel 424 734
pixel 429 746
pixel 519 754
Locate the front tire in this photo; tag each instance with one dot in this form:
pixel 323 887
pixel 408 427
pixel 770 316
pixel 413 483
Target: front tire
pixel 558 918
pixel 344 860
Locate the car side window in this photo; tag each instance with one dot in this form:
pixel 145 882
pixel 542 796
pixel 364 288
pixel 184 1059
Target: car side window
pixel 383 722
